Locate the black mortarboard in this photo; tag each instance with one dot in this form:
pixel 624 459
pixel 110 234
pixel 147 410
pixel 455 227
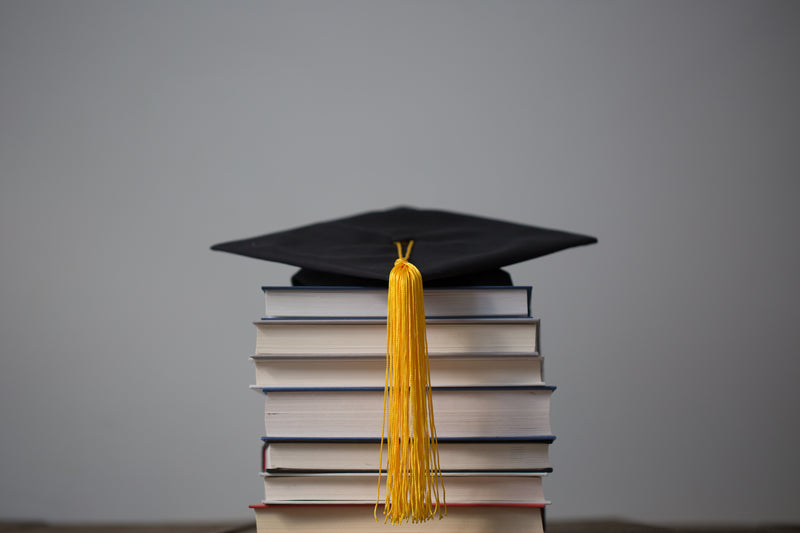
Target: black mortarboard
pixel 449 248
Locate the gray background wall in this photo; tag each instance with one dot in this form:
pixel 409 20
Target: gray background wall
pixel 133 135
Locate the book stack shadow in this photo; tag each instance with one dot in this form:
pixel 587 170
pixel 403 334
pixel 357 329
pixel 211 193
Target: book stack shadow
pixel 320 366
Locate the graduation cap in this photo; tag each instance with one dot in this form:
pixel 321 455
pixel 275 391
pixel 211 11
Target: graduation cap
pixel 376 248
pixel 450 249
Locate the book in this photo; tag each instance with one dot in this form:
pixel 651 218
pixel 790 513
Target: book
pixel 370 370
pixel 529 454
pixel 475 487
pixel 368 336
pixel 461 412
pixel 453 302
pixel 361 519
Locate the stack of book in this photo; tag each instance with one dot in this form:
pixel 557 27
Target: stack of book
pixel 320 363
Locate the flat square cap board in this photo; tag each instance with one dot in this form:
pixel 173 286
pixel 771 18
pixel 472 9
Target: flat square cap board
pixel 449 248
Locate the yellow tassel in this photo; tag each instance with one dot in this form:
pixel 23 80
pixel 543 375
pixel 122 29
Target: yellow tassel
pixel 413 476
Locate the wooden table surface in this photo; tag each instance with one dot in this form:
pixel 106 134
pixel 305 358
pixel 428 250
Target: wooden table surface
pixel 552 527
